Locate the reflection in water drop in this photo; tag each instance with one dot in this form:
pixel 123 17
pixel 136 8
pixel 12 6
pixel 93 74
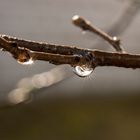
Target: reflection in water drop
pixel 82 71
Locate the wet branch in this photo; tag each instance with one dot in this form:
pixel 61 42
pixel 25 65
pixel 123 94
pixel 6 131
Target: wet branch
pixel 24 50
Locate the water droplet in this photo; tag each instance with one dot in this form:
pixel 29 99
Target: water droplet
pixel 83 71
pixel 24 58
pixel 28 62
pixel 25 61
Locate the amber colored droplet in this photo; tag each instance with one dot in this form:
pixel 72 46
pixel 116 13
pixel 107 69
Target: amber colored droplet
pixel 24 59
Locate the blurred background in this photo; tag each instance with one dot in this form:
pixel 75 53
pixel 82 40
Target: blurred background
pixel 44 101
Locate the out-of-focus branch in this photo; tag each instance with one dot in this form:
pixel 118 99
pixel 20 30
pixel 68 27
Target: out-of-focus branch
pixel 126 18
pixel 46 79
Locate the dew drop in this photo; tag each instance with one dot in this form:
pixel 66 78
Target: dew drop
pixel 83 71
pixel 27 62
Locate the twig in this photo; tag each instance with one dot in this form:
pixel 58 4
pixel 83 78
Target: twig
pixel 85 25
pixel 80 56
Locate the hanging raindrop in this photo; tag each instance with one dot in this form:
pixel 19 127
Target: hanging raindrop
pixel 83 71
pixel 24 58
pixel 87 68
pixel 28 62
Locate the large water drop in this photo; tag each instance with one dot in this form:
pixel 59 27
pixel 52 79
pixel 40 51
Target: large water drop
pixel 83 71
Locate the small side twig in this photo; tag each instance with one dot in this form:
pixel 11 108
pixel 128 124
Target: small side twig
pixel 86 26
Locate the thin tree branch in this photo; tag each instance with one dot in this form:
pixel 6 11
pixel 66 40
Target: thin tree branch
pixel 86 25
pixel 80 56
pixel 23 55
pixel 117 59
pixel 42 47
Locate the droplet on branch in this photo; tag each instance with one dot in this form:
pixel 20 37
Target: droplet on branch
pixel 83 71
